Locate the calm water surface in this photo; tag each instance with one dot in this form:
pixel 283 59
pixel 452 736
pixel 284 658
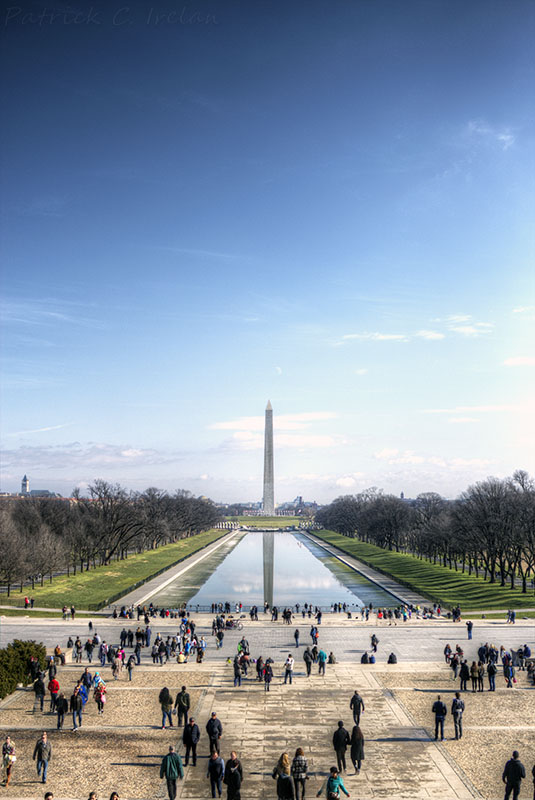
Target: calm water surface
pixel 302 573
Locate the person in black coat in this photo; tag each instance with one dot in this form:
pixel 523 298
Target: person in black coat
pixel 39 689
pixel 464 674
pixel 439 710
pixel 340 742
pixel 233 777
pixel 190 738
pixel 357 706
pixel 285 787
pixel 62 706
pixel 357 748
pixel 307 658
pixel 512 776
pixel 214 729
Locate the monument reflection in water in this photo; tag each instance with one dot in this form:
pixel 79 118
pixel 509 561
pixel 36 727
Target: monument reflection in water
pixel 268 555
pixel 245 572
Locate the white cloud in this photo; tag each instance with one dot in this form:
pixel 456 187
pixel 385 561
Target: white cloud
pixel 454 318
pixel 91 457
pixel 476 409
pixel 348 481
pixel 248 440
pixel 502 136
pixel 477 329
pixel 278 370
pixel 465 325
pixel 378 337
pixel 361 371
pixel 424 334
pixel 463 420
pixel 415 459
pixel 286 422
pixel 524 310
pixel 519 361
pixel 386 453
pixel 41 430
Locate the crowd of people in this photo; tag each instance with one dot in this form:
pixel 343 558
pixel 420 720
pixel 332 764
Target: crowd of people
pixel 291 775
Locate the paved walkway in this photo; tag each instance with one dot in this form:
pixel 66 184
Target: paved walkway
pixel 123 749
pixel 401 760
pixel 400 593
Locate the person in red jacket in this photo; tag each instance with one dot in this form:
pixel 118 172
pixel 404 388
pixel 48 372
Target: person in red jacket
pixel 53 688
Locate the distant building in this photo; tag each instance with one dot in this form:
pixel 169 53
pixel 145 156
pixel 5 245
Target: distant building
pixel 25 490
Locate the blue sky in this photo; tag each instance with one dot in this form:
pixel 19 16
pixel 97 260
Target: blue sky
pixel 209 204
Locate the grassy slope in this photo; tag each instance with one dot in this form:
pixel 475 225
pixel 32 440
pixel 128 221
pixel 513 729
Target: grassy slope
pixel 439 584
pixel 92 589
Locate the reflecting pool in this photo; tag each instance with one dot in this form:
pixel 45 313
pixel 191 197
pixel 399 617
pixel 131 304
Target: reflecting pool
pixel 283 568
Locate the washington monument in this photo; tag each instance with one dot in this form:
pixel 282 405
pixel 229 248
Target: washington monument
pixel 268 506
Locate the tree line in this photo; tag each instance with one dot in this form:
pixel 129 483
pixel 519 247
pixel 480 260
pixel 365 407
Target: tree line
pixel 44 536
pixel 489 530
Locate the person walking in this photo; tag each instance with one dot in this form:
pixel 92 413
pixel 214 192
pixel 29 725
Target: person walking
pixel 190 738
pixel 39 691
pixel 43 753
pixel 357 748
pixel 99 696
pixel 469 628
pixel 296 637
pixel 62 707
pixel 322 660
pixel 288 668
pixel 166 703
pixel 298 771
pixel 130 664
pixel 357 706
pixel 171 769
pixel 513 773
pixel 457 709
pixel 8 759
pixel 268 676
pixel 53 688
pixel 76 705
pixel 281 773
pixel 307 658
pixel 439 710
pixel 341 739
pixel 216 773
pixel 333 786
pixel 214 729
pixel 237 671
pixel 182 705
pixel 233 778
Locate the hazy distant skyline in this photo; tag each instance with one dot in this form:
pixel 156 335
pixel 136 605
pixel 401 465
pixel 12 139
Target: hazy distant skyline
pixel 329 205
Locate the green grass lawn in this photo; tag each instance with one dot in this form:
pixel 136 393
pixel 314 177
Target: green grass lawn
pixel 440 584
pixel 266 522
pixel 96 588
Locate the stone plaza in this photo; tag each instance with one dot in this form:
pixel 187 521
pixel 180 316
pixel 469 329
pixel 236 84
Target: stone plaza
pixel 122 750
